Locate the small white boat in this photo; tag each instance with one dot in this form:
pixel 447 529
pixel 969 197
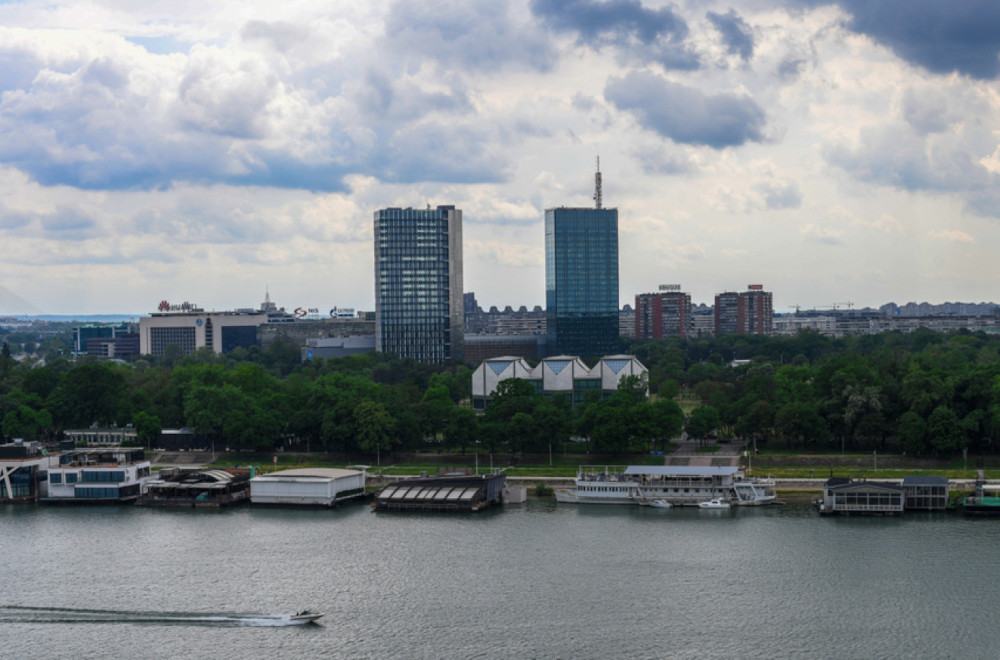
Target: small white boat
pixel 659 504
pixel 714 504
pixel 305 616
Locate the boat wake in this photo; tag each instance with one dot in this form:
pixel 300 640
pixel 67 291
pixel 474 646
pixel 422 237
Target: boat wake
pixel 24 614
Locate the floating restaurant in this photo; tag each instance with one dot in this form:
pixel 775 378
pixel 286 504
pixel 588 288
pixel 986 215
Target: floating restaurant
pixel 445 493
pixel 198 488
pixel 844 495
pixel 98 476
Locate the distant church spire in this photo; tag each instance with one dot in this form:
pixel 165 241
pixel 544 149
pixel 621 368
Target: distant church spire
pixel 597 185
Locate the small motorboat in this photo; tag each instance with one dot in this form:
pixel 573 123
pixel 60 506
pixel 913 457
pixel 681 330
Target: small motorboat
pixel 659 504
pixel 715 503
pixel 305 616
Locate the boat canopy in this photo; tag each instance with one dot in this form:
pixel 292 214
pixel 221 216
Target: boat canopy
pixel 683 470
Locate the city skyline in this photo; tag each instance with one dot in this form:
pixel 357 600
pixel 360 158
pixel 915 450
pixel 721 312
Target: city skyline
pixel 832 151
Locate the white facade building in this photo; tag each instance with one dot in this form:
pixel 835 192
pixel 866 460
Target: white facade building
pixel 220 331
pixel 561 374
pixel 88 475
pixel 307 487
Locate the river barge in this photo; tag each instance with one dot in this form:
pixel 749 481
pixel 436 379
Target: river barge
pixel 678 485
pixel 444 493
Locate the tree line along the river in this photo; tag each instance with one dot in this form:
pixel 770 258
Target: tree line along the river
pixel 921 393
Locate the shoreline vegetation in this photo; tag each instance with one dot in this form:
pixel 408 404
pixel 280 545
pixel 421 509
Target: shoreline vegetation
pixel 810 407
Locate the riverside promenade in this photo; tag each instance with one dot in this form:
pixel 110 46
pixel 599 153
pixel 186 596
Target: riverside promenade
pixel 191 460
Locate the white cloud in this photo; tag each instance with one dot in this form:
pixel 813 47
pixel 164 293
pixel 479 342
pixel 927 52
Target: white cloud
pixel 165 145
pixel 823 235
pixel 952 236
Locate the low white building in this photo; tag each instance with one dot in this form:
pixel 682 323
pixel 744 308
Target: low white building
pixel 105 475
pixel 191 330
pixel 307 487
pixel 561 374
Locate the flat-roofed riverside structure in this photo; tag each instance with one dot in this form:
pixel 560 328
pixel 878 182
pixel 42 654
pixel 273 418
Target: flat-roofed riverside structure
pixel 311 487
pixel 926 493
pixel 843 495
pixel 561 374
pixel 445 493
pixel 98 476
pixel 197 488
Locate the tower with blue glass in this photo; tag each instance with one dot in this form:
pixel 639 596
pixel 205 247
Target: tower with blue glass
pixel 581 278
pixel 419 308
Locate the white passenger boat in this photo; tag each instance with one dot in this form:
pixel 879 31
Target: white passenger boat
pixel 660 504
pixel 677 485
pixel 714 504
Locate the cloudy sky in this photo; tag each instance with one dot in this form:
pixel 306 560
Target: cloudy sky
pixel 831 151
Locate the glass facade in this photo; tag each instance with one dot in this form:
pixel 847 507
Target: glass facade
pixel 581 280
pixel 419 305
pixel 234 336
pixel 22 483
pixel 160 338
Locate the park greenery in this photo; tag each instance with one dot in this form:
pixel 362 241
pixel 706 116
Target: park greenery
pixel 922 394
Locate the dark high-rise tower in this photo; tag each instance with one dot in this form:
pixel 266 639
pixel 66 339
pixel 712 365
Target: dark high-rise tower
pixel 419 308
pixel 581 278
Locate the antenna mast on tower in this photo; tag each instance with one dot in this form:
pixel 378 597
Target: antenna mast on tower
pixel 597 185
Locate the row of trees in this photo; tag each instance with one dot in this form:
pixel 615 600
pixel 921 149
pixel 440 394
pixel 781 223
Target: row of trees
pixel 922 393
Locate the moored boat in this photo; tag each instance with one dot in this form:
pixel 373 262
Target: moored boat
pixel 753 492
pixel 677 485
pixel 714 504
pixel 984 502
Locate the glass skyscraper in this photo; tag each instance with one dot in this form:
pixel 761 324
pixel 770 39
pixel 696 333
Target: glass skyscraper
pixel 581 280
pixel 419 310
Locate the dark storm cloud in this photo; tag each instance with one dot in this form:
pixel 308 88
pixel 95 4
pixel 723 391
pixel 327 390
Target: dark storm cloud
pixel 939 36
pixel 736 33
pixel 467 35
pixel 685 114
pixel 651 34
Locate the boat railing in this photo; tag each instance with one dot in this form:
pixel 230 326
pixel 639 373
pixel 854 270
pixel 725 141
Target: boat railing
pixel 875 508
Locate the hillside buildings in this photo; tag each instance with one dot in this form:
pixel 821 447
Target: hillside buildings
pixel 419 306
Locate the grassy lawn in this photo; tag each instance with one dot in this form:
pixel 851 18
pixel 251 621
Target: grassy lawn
pixel 566 466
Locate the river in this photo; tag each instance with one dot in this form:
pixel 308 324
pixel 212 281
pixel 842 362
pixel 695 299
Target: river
pixel 537 580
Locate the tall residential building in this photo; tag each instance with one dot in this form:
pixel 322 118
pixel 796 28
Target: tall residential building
pixel 730 314
pixel 581 278
pixel 419 307
pixel 750 312
pixel 760 310
pixel 664 314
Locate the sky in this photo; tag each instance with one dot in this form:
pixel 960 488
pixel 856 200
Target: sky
pixel 834 152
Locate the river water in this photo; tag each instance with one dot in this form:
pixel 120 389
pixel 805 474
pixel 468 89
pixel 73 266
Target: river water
pixel 538 580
